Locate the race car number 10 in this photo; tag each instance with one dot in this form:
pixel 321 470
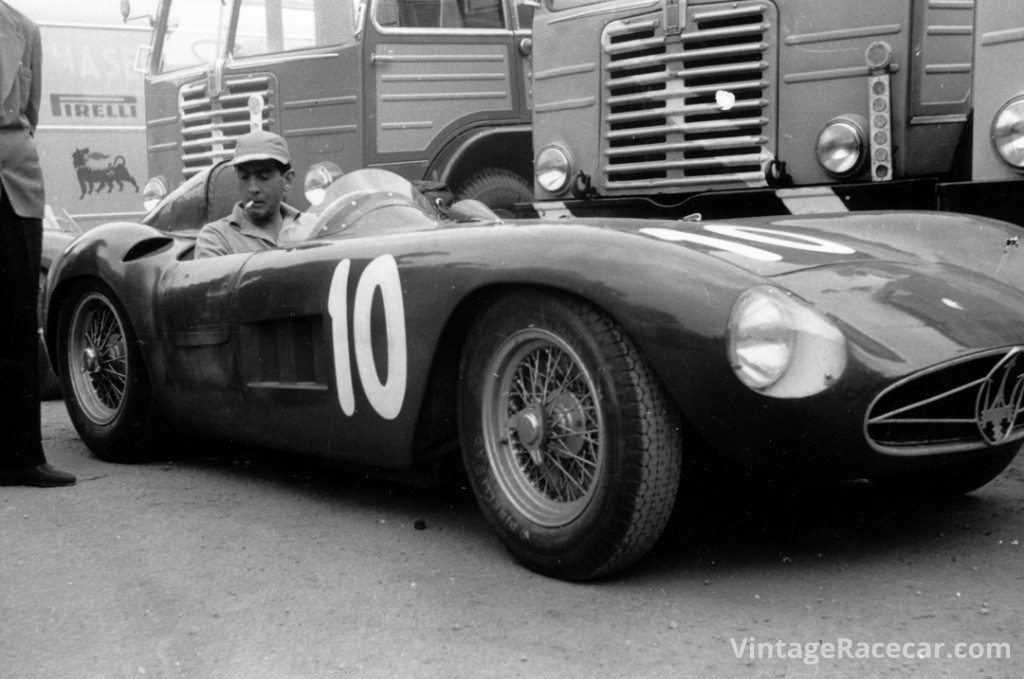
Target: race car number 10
pixel 385 396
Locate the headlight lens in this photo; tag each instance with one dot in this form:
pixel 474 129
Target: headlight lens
pixel 318 178
pixel 153 192
pixel 781 347
pixel 553 169
pixel 1008 133
pixel 760 339
pixel 841 147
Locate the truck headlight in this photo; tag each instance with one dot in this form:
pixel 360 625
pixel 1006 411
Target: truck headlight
pixel 841 147
pixel 553 168
pixel 780 347
pixel 317 179
pixel 1008 133
pixel 153 192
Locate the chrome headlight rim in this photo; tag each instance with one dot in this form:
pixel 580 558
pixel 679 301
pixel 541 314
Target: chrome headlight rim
pixel 553 168
pixel 153 191
pixel 1007 132
pixel 759 326
pixel 781 347
pixel 842 134
pixel 317 179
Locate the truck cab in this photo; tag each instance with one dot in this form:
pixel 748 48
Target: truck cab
pixel 430 89
pixel 774 106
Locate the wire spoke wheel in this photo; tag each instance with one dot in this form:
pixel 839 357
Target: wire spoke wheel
pixel 104 378
pixel 97 358
pixel 545 431
pixel 571 445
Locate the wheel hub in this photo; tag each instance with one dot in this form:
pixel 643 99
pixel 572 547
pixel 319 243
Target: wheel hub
pixel 567 418
pixel 531 430
pixel 91 360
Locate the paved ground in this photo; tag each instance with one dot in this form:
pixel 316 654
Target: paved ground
pixel 254 567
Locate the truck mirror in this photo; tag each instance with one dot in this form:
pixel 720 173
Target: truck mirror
pixel 126 10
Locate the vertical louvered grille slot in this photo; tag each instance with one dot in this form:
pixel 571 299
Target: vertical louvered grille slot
pixel 210 125
pixel 688 110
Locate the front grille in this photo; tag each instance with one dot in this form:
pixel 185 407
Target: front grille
pixel 667 119
pixel 965 404
pixel 211 124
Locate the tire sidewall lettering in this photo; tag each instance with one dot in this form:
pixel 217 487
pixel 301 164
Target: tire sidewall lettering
pixel 385 396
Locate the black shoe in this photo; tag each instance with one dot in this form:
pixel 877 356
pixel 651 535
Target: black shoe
pixel 43 476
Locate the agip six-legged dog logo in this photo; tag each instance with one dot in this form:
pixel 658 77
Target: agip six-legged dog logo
pixel 94 173
pixel 1001 399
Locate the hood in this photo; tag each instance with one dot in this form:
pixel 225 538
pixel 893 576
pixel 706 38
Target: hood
pixel 914 314
pixel 782 245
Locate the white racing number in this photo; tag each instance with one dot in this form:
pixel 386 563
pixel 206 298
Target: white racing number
pixel 770 237
pixel 386 396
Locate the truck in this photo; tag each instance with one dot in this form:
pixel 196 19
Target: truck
pixel 433 90
pixel 91 136
pixel 745 107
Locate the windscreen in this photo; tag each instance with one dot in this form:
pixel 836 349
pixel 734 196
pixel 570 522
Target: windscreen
pixel 371 199
pixel 197 31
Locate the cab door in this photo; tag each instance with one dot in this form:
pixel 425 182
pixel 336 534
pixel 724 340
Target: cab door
pixel 437 68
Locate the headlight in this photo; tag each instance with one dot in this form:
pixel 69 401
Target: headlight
pixel 841 147
pixel 780 347
pixel 553 168
pixel 1008 133
pixel 153 192
pixel 318 178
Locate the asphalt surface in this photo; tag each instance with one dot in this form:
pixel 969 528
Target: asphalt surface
pixel 252 566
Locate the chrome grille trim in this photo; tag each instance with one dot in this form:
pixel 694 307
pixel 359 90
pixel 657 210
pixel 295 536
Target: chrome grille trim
pixel 210 125
pixel 970 403
pixel 662 126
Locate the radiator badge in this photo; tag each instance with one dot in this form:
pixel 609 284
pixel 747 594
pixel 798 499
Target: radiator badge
pixel 1001 399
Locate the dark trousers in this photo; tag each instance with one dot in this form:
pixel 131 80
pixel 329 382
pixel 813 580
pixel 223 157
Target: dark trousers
pixel 21 240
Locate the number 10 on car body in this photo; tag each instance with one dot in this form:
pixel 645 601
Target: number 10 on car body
pixel 385 396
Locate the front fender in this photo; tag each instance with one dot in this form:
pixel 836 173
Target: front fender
pixel 478 149
pixel 107 253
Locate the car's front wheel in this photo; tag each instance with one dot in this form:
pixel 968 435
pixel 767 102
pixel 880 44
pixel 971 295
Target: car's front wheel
pixel 105 384
pixel 571 445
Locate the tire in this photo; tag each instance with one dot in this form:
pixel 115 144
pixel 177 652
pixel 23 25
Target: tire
pixel 49 383
pixel 571 445
pixel 106 386
pixel 952 480
pixel 498 189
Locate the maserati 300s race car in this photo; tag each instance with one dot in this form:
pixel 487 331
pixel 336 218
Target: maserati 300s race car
pixel 575 363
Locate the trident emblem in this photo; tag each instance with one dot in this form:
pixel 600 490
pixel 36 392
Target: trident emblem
pixel 1001 399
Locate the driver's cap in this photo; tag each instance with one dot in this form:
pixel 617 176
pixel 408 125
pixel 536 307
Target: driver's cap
pixel 261 145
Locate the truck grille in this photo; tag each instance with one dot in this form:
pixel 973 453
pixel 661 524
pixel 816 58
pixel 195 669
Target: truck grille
pixel 689 110
pixel 210 125
pixel 957 406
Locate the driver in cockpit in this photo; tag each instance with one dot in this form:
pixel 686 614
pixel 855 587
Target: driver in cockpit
pixel 261 219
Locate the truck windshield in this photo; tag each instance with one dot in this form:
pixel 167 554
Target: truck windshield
pixel 195 33
pixel 197 30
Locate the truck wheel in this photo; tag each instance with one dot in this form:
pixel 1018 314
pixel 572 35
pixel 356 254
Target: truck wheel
pixel 106 387
pixel 571 445
pixel 49 383
pixel 498 189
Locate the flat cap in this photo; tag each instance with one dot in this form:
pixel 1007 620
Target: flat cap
pixel 261 145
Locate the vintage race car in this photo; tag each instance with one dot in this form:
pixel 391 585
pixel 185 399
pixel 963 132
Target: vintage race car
pixel 576 364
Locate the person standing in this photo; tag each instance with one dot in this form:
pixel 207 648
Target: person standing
pixel 22 461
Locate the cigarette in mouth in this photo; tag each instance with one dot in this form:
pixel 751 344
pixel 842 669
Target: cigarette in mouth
pixel 248 205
